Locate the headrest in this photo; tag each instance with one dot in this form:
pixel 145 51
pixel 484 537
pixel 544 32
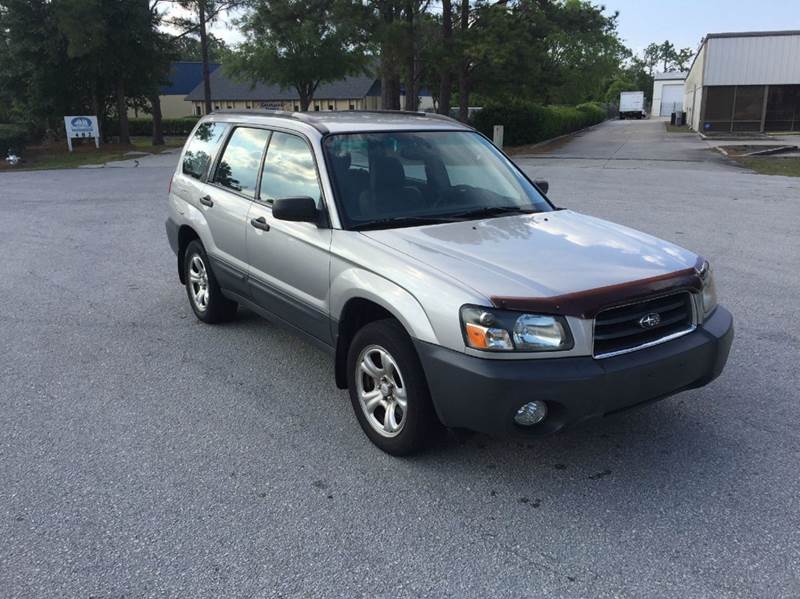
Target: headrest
pixel 341 162
pixel 388 173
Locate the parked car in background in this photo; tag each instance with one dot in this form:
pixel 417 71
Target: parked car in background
pixel 631 105
pixel 445 284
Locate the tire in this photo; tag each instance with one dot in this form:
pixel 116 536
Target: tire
pixel 205 296
pixel 386 345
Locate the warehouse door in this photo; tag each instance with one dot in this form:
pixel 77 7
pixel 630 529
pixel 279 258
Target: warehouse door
pixel 671 99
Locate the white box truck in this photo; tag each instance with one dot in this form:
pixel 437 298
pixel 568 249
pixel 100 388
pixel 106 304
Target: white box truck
pixel 631 105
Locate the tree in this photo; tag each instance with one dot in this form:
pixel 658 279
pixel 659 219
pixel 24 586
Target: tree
pixel 187 47
pixel 301 43
pixel 203 13
pixel 445 72
pixel 119 47
pixel 666 56
pixel 36 75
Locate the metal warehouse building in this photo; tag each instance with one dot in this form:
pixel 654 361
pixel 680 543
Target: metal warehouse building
pixel 667 93
pixel 745 82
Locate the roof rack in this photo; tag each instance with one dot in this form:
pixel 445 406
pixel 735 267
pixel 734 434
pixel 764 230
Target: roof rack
pixel 283 114
pixel 313 119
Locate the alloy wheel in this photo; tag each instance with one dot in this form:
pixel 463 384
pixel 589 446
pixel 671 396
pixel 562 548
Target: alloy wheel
pixel 381 391
pixel 198 281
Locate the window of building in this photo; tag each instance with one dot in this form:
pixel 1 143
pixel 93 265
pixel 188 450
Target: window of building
pixel 352 106
pixel 296 108
pixel 330 107
pixel 748 108
pixel 216 106
pixel 238 167
pixel 248 106
pixel 198 110
pixel 316 107
pixel 202 148
pixel 733 108
pixel 783 108
pixel 289 169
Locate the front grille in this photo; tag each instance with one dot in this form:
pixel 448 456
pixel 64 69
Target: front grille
pixel 621 329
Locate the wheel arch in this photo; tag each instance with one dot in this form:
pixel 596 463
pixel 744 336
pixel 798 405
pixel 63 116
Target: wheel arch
pixel 186 235
pixel 367 305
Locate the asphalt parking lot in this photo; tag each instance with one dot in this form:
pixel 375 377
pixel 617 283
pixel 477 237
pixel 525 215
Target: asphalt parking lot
pixel 144 454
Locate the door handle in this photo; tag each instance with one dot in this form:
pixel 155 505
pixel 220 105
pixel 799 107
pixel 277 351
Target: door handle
pixel 207 201
pixel 260 223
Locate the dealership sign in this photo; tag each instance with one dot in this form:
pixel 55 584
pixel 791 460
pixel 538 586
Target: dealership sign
pixel 81 127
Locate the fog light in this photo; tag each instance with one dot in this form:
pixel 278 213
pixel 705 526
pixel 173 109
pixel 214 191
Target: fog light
pixel 531 413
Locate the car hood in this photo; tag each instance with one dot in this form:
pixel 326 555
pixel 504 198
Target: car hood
pixel 537 255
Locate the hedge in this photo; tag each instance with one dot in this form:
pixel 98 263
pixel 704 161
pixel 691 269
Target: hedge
pixel 527 123
pixel 12 138
pixel 144 127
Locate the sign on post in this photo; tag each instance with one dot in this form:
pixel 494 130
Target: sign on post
pixel 497 136
pixel 81 127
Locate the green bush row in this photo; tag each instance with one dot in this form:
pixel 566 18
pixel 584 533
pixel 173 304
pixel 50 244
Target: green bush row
pixel 12 139
pixel 144 127
pixel 527 123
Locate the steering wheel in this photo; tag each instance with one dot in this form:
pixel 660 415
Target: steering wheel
pixel 452 197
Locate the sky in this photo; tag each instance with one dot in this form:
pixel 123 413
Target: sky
pixel 683 22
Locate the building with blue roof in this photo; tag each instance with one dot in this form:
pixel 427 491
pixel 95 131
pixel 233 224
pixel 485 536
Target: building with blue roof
pixel 184 76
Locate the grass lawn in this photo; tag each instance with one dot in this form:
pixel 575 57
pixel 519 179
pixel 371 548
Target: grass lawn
pixel 772 165
pixel 57 155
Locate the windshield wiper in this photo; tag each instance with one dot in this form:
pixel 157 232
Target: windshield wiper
pixel 488 211
pixel 401 221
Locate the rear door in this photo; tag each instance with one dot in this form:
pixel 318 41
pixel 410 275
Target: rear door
pixel 228 195
pixel 289 261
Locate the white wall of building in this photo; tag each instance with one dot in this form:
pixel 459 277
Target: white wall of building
pixel 667 97
pixel 693 90
pixel 762 60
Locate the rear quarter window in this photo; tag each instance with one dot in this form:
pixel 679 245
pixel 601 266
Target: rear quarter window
pixel 201 149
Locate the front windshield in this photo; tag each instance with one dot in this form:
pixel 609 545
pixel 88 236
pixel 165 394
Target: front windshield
pixel 407 178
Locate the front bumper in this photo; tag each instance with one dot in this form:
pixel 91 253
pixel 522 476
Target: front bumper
pixel 483 394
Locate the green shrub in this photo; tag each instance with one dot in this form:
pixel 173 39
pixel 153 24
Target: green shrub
pixel 527 123
pixel 12 139
pixel 144 127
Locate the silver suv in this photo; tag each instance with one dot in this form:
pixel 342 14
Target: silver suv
pixel 448 288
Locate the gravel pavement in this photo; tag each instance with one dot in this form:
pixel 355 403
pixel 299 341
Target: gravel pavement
pixel 143 454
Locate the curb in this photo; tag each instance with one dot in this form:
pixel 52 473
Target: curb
pixel 552 139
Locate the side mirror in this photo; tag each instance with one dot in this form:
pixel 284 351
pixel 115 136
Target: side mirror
pixel 301 209
pixel 542 185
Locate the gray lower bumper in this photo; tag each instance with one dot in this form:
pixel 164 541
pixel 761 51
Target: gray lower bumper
pixel 483 395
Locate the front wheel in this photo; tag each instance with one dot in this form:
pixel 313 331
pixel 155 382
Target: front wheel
pixel 388 390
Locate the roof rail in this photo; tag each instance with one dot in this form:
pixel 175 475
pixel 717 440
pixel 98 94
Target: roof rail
pixel 313 119
pixel 431 115
pixel 303 117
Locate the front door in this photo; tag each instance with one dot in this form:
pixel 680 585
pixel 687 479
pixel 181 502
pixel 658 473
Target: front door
pixel 230 191
pixel 289 262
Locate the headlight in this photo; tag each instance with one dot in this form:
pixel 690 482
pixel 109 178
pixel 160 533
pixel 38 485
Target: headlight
pixel 709 293
pixel 489 329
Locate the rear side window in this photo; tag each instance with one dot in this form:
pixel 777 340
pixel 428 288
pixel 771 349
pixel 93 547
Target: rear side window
pixel 201 149
pixel 241 160
pixel 289 169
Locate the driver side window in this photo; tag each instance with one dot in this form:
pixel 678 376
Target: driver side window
pixel 289 170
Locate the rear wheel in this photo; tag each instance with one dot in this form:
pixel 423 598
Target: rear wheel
pixel 205 296
pixel 388 389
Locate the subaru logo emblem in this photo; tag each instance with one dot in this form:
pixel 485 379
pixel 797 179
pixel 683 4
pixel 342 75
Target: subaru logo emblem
pixel 648 321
